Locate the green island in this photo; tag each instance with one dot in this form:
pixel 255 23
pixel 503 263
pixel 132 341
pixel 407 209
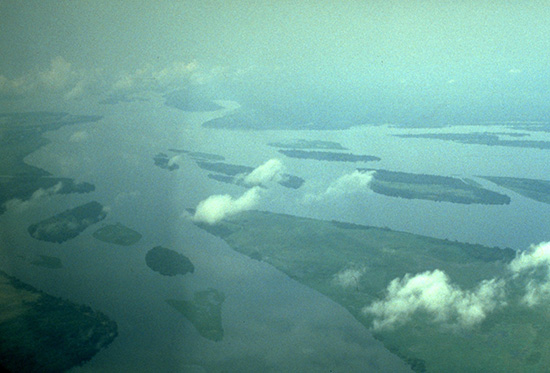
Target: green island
pixel 204 312
pixel 118 234
pixel 199 155
pixel 190 100
pixel 355 265
pixel 161 160
pixel 47 261
pixel 328 156
pixel 307 144
pixel 482 138
pixel 232 173
pixel 539 190
pixel 68 224
pixel 168 262
pixel 42 333
pixel 432 188
pixel 20 135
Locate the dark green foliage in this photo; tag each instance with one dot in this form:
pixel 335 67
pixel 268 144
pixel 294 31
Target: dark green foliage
pixel 539 190
pixel 51 334
pixel 168 262
pixel 117 234
pixel 307 144
pixel 328 156
pixel 68 224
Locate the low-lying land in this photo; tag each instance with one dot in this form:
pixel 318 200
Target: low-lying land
pixel 41 333
pixel 199 155
pixel 357 266
pixel 20 135
pixel 328 156
pixel 307 144
pixel 161 160
pixel 204 312
pixel 68 224
pixel 433 188
pixel 234 174
pixel 482 138
pixel 118 234
pixel 539 190
pixel 168 262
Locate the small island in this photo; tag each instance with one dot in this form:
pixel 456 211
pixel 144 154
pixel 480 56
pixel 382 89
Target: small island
pixel 204 312
pixel 190 100
pixel 42 333
pixel 199 155
pixel 328 156
pixel 483 138
pixel 161 160
pixel 539 190
pixel 432 188
pixel 307 144
pixel 117 234
pixel 168 262
pixel 68 224
pixel 232 173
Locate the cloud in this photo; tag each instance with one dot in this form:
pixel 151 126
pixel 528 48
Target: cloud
pixel 270 171
pixel 79 136
pixel 432 293
pixel 515 71
pixel 20 205
pixel 355 182
pixel 349 277
pixel 217 207
pixel 533 267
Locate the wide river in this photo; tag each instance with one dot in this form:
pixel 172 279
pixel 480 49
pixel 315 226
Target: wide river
pixel 271 323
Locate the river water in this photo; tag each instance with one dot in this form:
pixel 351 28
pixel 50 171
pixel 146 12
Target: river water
pixel 271 323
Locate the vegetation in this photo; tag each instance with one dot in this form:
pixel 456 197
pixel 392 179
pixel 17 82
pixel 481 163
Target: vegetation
pixel 231 173
pixel 46 261
pixel 190 100
pixel 117 234
pixel 162 161
pixel 433 188
pixel 68 224
pixel 328 156
pixel 204 312
pixel 307 144
pixel 483 138
pixel 316 253
pixel 199 155
pixel 539 190
pixel 41 333
pixel 168 262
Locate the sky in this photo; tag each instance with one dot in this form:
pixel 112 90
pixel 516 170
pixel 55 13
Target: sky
pixel 427 54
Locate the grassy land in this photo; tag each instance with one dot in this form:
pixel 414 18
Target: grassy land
pixel 539 190
pixel 118 234
pixel 512 338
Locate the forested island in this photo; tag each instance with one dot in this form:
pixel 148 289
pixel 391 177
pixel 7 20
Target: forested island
pixel 233 174
pixel 41 333
pixel 168 262
pixel 357 266
pixel 68 224
pixel 204 312
pixel 432 188
pixel 190 100
pixel 539 190
pixel 328 156
pixel 307 144
pixel 20 135
pixel 118 234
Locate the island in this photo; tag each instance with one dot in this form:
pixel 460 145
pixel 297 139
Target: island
pixel 199 155
pixel 117 234
pixel 46 261
pixel 432 188
pixel 204 312
pixel 161 160
pixel 68 224
pixel 168 262
pixel 539 190
pixel 20 135
pixel 307 144
pixel 483 138
pixel 357 266
pixel 42 333
pixel 328 156
pixel 190 100
pixel 234 174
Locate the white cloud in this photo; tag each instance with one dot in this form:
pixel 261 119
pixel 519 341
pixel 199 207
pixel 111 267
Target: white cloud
pixel 432 293
pixel 534 266
pixel 354 182
pixel 515 71
pixel 79 136
pixel 217 207
pixel 19 205
pixel 270 171
pixel 348 277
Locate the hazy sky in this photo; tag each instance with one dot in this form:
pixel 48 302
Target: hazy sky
pixel 462 50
